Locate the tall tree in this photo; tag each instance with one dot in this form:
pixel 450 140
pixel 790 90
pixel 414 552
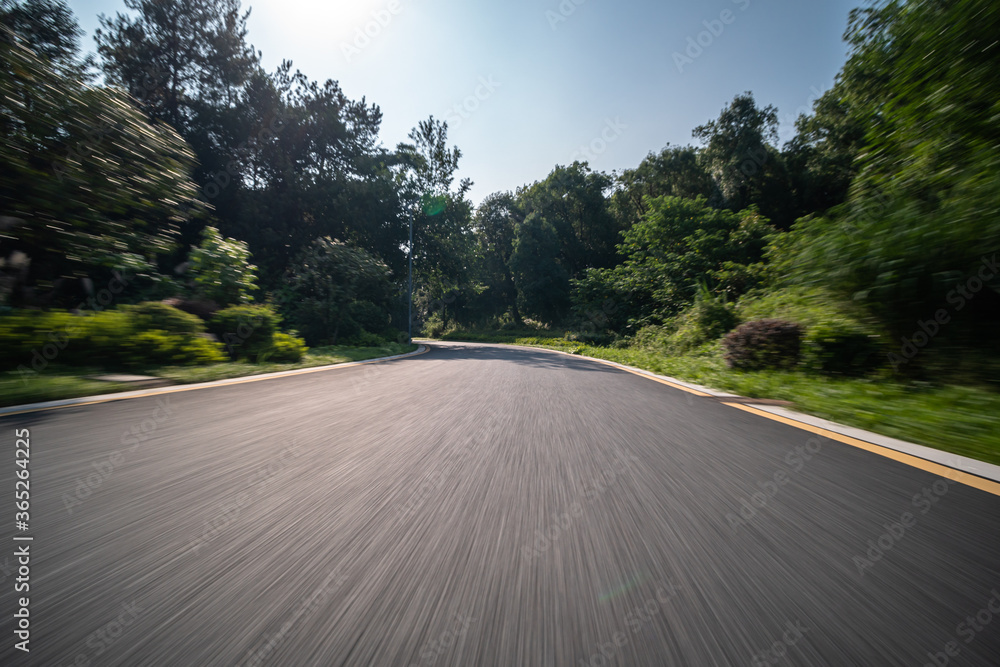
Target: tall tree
pixel 47 27
pixel 574 201
pixel 180 58
pixel 540 275
pixel 923 213
pixel 444 245
pixel 496 222
pixel 86 181
pixel 740 155
pixel 673 172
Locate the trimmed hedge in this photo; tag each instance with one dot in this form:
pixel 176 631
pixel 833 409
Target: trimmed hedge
pixel 764 344
pixel 128 337
pixel 153 315
pixel 246 331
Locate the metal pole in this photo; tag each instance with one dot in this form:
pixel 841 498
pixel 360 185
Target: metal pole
pixel 409 312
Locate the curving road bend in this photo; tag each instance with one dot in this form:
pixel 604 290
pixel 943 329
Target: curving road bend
pixel 485 505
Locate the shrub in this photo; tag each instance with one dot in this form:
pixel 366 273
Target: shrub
pixel 35 338
pixel 589 337
pixel 221 268
pixel 287 349
pixel 246 331
pixel 158 315
pixel 433 326
pixel 841 349
pixel 652 337
pixel 201 308
pixel 764 344
pixel 364 339
pixel 334 291
pixel 707 320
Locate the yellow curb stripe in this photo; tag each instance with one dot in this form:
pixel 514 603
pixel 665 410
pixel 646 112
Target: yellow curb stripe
pixel 654 379
pixel 217 384
pixel 612 365
pixel 974 481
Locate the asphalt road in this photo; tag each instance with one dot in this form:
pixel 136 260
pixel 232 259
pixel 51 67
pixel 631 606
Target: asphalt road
pixel 481 505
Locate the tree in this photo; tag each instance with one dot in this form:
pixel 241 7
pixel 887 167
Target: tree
pixel 573 200
pixel 222 270
pixel 541 279
pixel 677 247
pixel 309 166
pixel 86 181
pixel 821 158
pixel 923 212
pixel 47 27
pixel 336 292
pixel 443 241
pixel 740 155
pixel 496 223
pixel 179 58
pixel 433 164
pixel 674 172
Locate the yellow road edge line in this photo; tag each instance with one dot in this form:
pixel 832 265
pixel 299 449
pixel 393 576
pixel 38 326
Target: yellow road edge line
pixel 974 481
pixel 655 379
pixel 613 364
pixel 216 384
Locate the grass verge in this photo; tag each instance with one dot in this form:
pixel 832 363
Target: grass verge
pixel 963 420
pixel 58 383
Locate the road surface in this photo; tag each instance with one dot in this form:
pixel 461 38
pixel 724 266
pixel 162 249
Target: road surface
pixel 484 505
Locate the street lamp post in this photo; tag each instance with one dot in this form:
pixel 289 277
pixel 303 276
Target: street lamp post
pixel 409 300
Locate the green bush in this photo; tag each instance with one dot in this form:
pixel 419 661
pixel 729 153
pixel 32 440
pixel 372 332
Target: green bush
pixel 364 339
pixel 433 326
pixel 652 337
pixel 708 319
pixel 122 338
pixel 840 349
pixel 156 315
pixel 34 338
pixel 705 321
pixel 247 332
pixel 764 344
pixel 589 337
pixel 287 349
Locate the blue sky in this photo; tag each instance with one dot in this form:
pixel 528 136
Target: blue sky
pixel 528 84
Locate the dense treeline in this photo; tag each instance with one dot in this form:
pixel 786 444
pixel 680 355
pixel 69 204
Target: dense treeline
pixel 874 227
